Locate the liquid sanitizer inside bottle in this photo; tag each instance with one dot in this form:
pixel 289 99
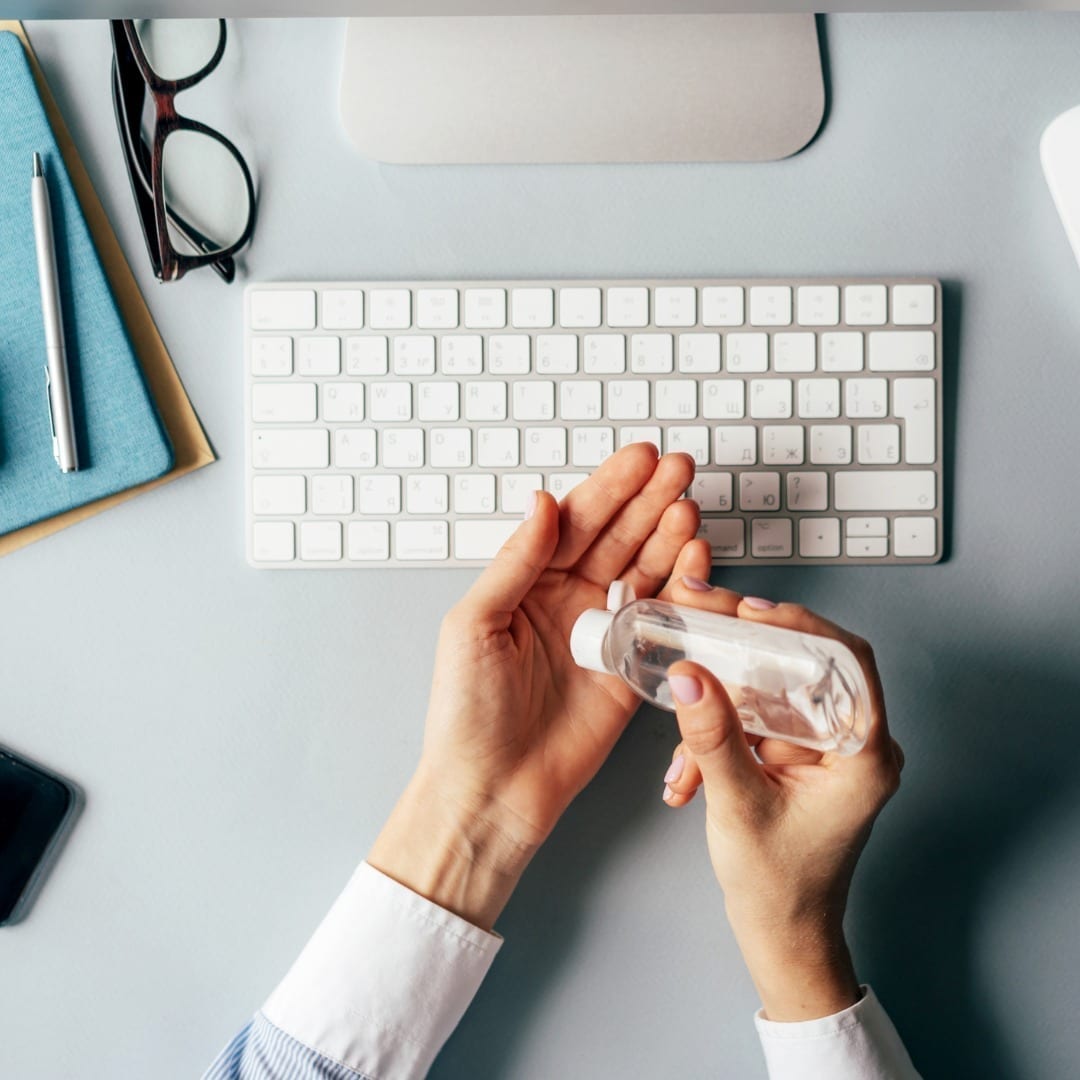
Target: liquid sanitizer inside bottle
pixel 802 688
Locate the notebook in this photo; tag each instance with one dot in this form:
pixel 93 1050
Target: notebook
pixel 121 439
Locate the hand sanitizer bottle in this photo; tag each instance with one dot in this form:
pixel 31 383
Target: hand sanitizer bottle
pixel 802 688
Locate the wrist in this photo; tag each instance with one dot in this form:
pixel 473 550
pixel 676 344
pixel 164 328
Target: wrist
pixel 455 851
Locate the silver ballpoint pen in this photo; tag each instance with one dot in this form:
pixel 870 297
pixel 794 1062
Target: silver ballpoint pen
pixel 56 368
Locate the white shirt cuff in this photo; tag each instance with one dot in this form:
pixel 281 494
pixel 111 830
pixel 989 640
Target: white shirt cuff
pixel 384 980
pixel 859 1043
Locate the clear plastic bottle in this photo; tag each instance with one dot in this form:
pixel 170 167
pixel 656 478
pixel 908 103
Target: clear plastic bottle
pixel 787 685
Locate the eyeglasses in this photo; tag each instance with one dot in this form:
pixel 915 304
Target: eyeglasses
pixel 192 187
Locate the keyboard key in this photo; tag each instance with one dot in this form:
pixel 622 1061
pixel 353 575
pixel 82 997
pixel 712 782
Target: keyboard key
pixel 556 354
pixel 901 350
pixel 514 492
pixel 914 537
pixel 675 306
pixel 497 448
pixel 770 305
pixel 818 305
pixel 378 495
pixel 438 402
pixel 318 356
pixel 635 434
pixel 481 539
pixel 808 491
pixel 461 354
pixel 532 308
pixel 746 353
pixel 485 309
pixel 771 539
pixel 688 440
pixel 782 444
pixel 271 356
pixel 342 402
pixel 712 491
pixel 436 309
pixel 699 353
pixel 722 305
pixel 545 448
pixel 369 541
pixel 403 448
pixel 830 444
pixel 842 351
pixel 561 484
pixel 354 448
pixel 474 493
pixel 866 398
pixel 300 448
pixel 884 490
pixel 282 309
pixel 485 400
pixel 427 541
pixel 320 541
pixel 605 354
pixel 579 308
pixel 366 356
pixel 273 541
pixel 508 354
pixel 534 400
pixel 343 309
pixel 819 538
pixel 735 446
pixel 866 526
pixel 282 403
pixel 913 402
pixel 793 352
pixel 628 399
pixel 278 495
pixel 628 306
pixel 581 399
pixel 723 399
pixel 878 444
pixel 332 494
pixel 414 355
pixel 592 445
pixel 868 548
pixel 725 536
pixel 390 309
pixel 428 493
pixel 770 399
pixel 864 305
pixel 819 399
pixel 759 491
pixel 651 354
pixel 676 399
pixel 390 402
pixel 913 305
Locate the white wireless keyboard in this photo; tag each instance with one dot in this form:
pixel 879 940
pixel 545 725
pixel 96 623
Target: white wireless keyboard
pixel 403 424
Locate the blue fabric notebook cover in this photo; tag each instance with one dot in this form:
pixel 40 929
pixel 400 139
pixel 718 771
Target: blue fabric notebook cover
pixel 121 440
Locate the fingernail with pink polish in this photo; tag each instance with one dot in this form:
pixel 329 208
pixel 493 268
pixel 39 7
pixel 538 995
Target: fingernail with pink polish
pixel 668 793
pixel 530 505
pixel 697 584
pixel 757 603
pixel 675 770
pixel 686 689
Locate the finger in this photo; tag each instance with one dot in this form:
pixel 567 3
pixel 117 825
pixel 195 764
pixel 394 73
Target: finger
pixel 683 778
pixel 694 561
pixel 778 752
pixel 712 733
pixel 519 562
pixel 653 563
pixel 692 592
pixel 617 545
pixel 797 617
pixel 592 504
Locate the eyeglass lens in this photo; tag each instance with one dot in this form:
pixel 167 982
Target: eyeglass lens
pixel 177 48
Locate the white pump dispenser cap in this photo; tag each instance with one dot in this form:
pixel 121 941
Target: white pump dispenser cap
pixel 590 630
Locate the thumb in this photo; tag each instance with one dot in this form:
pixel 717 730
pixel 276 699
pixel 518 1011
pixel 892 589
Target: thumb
pixel 713 733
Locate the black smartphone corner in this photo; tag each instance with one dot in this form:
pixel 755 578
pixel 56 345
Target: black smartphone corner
pixel 36 810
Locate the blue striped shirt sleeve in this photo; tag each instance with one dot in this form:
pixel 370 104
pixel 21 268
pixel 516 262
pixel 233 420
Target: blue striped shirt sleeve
pixel 261 1051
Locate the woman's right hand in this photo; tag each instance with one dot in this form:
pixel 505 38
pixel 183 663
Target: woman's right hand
pixel 785 829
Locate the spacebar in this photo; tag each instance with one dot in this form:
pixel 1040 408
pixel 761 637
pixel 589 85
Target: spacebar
pixel 481 539
pixel 884 490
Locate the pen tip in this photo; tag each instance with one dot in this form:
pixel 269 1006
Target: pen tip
pixel 37 164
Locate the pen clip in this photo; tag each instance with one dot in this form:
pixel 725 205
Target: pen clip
pixel 52 419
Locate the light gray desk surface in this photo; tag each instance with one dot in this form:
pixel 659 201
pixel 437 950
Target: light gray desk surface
pixel 242 735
